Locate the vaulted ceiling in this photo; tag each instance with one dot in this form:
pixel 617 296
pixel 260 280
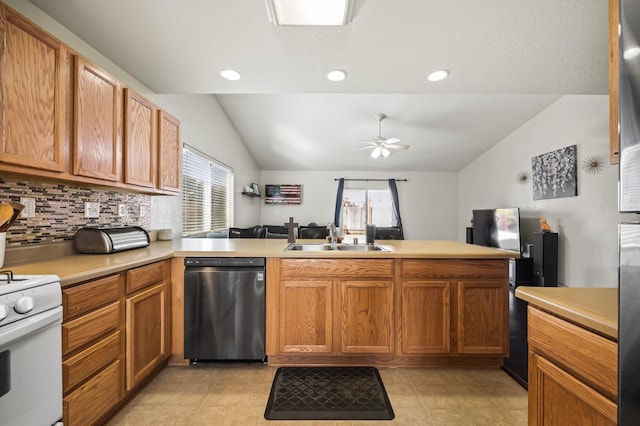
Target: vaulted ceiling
pixel 508 61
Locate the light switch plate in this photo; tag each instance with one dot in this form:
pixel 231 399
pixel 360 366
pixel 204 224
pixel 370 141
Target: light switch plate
pixel 29 207
pixel 92 210
pixel 122 210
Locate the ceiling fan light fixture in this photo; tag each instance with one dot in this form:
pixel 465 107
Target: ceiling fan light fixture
pixel 336 75
pixel 379 151
pixel 309 12
pixel 231 75
pixel 438 75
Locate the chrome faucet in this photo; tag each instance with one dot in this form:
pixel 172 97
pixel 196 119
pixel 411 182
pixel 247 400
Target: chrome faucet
pixel 333 233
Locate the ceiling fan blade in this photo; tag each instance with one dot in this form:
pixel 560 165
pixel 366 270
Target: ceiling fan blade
pixel 392 140
pixel 401 146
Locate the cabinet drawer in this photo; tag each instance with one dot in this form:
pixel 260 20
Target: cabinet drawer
pixel 91 295
pixel 145 276
pixel 83 330
pixel 343 268
pixel 88 362
pixel 589 356
pixel 455 268
pixel 94 399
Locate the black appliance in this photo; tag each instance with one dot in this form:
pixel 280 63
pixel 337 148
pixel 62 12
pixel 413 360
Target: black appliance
pixel 629 202
pixel 224 309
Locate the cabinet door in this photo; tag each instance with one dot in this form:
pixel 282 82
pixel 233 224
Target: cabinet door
pixel 98 123
pixel 169 153
pixel 366 316
pixel 561 399
pixel 140 140
pixel 146 333
pixel 32 90
pixel 305 316
pixel 425 308
pixel 483 317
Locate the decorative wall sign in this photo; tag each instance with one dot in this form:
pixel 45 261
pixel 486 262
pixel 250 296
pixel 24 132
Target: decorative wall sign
pixel 555 174
pixel 283 194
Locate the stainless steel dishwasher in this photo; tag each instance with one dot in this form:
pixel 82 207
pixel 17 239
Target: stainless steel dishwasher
pixel 224 308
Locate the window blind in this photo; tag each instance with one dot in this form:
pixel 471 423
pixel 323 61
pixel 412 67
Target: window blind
pixel 207 193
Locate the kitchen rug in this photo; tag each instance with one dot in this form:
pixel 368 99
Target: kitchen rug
pixel 328 393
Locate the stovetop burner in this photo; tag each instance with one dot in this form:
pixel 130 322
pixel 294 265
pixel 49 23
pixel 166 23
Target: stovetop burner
pixel 10 282
pixel 7 276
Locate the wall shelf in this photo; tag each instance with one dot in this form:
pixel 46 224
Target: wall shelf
pixel 250 194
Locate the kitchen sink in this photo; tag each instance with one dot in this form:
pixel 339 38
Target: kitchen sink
pixel 335 247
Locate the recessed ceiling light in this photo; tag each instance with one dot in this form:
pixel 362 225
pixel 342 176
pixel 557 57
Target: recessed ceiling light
pixel 337 75
pixel 438 75
pixel 230 75
pixel 631 52
pixel 309 12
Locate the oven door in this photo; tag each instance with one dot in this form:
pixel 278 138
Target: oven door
pixel 31 370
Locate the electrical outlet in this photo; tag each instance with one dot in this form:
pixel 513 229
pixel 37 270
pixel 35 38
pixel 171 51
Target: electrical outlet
pixel 92 210
pixel 29 207
pixel 122 210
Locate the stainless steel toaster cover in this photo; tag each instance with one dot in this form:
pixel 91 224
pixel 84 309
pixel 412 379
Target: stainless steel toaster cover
pixel 110 240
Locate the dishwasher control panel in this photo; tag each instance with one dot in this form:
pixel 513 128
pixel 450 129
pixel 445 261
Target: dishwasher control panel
pixel 224 261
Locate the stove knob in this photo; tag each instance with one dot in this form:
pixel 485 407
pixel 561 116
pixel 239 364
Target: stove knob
pixel 24 304
pixel 4 311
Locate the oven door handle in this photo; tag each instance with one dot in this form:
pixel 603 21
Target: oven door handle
pixel 25 327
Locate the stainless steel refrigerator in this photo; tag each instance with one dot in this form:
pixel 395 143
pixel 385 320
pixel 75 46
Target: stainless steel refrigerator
pixel 629 202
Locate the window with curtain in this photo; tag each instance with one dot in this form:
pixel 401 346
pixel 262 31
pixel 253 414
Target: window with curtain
pixel 361 207
pixel 207 193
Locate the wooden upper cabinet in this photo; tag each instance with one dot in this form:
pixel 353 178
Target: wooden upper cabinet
pixel 169 152
pixel 32 91
pixel 614 57
pixel 98 123
pixel 140 140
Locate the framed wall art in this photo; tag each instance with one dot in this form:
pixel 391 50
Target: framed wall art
pixel 283 194
pixel 554 174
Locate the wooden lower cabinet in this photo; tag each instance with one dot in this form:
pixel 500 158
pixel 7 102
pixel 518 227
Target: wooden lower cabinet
pixel 147 342
pixel 306 322
pixel 104 330
pixel 426 317
pixel 87 404
pixel 366 316
pixel 572 373
pixel 558 398
pixel 483 312
pixel 387 311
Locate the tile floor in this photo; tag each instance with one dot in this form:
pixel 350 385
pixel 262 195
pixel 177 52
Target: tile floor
pixel 219 394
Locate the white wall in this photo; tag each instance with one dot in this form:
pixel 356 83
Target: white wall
pixel 586 224
pixel 203 125
pixel 428 200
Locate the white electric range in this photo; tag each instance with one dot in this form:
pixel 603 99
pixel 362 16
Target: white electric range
pixel 30 349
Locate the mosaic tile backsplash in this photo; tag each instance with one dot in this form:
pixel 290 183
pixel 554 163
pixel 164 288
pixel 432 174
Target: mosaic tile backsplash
pixel 60 211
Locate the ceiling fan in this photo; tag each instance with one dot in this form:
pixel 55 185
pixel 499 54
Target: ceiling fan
pixel 381 145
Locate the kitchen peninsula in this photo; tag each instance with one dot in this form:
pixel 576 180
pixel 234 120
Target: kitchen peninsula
pixel 440 303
